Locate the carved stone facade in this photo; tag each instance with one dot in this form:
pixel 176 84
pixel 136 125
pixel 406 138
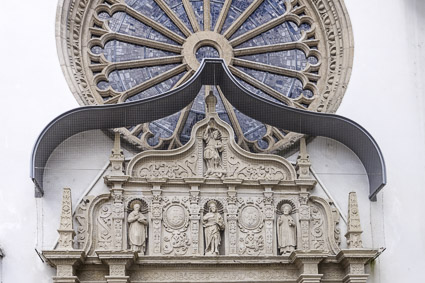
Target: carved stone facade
pixel 255 221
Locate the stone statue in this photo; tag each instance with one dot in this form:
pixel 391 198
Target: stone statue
pixel 212 150
pixel 137 231
pixel 213 223
pixel 286 230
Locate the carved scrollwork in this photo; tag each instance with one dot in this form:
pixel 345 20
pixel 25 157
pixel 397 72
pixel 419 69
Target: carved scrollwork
pixel 104 221
pixel 81 217
pixel 240 170
pixel 336 219
pixel 178 242
pixel 261 172
pixel 163 170
pixel 317 229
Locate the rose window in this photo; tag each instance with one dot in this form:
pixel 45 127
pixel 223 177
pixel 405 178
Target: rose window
pixel 287 52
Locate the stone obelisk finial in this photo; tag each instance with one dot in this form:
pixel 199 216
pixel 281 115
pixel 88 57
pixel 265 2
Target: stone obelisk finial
pixel 354 229
pixel 66 231
pixel 303 161
pixel 117 157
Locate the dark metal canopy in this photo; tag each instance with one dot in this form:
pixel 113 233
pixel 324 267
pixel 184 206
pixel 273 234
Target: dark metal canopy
pixel 211 72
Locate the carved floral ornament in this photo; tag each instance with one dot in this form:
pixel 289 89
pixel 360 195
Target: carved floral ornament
pixel 115 51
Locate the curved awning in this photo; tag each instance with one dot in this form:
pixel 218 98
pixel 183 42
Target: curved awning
pixel 211 72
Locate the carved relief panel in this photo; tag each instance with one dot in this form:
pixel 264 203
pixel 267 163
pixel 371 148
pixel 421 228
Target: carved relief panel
pixel 251 228
pixel 103 227
pixel 176 237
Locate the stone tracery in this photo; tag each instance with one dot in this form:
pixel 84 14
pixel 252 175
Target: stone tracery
pixel 296 52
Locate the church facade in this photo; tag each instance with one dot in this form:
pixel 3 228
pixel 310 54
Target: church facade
pixel 206 149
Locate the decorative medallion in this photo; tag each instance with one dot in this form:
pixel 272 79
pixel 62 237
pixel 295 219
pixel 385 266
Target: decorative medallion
pixel 175 216
pixel 293 52
pixel 250 217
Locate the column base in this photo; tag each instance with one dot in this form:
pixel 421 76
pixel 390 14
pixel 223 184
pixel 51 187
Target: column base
pixel 65 279
pixel 117 279
pixel 309 278
pixel 355 278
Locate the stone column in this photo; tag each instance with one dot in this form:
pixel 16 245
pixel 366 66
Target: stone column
pixel 308 265
pixel 116 189
pixel 194 214
pixel 156 219
pixel 304 218
pixel 118 263
pixel 232 217
pixel 269 215
pixel 118 219
pixel 115 180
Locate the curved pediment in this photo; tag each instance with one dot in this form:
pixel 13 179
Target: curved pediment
pixel 211 153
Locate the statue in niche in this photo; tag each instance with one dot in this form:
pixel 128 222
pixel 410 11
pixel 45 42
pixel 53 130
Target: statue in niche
pixel 213 223
pixel 212 151
pixel 137 230
pixel 286 230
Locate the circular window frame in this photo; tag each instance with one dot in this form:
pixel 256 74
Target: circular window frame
pixel 332 29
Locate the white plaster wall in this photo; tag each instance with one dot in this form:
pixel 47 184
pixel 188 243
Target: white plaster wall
pixel 385 95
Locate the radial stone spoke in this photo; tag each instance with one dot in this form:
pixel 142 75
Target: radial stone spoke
pixel 183 115
pixel 242 18
pixel 207 15
pixel 261 29
pixel 151 82
pixel 233 119
pixel 185 78
pixel 139 63
pixel 271 48
pixel 142 42
pixel 173 17
pixel 149 22
pixel 192 18
pixel 222 16
pixel 261 86
pixel 304 77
